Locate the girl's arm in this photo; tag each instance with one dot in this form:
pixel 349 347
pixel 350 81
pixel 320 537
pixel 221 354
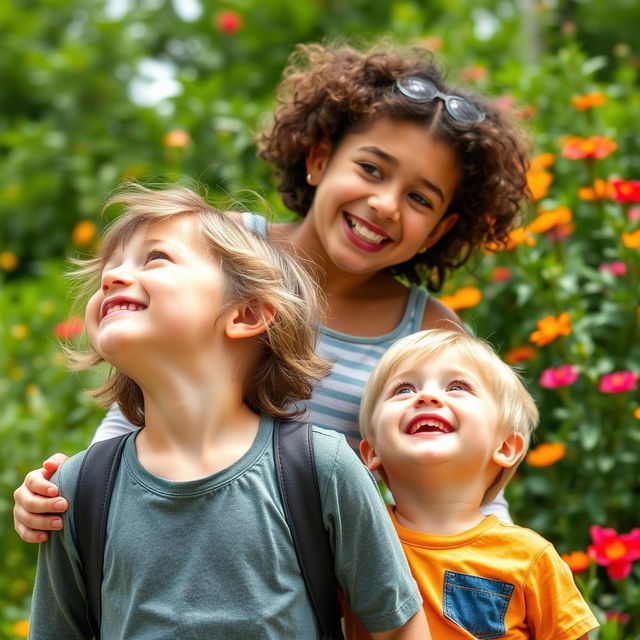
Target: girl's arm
pixel 37 504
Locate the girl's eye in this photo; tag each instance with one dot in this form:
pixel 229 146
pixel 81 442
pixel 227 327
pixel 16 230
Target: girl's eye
pixel 370 169
pixel 421 200
pixel 156 254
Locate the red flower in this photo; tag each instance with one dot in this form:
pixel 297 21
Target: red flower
pixel 69 328
pixel 614 551
pixel 626 190
pixel 596 147
pixel 229 22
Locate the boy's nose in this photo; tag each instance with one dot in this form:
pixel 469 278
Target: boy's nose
pixel 115 278
pixel 428 399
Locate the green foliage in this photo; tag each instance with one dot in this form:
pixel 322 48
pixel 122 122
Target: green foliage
pixel 69 130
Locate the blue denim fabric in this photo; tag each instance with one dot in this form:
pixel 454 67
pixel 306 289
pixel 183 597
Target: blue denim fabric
pixel 478 605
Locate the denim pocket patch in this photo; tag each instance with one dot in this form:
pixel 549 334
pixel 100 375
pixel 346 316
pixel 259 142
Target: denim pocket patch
pixel 478 605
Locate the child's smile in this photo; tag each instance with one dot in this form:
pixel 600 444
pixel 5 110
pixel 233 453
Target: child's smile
pixel 382 195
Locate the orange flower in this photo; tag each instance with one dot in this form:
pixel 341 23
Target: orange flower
pixel 538 182
pixel 474 73
pixel 434 43
pixel 83 233
pixel 515 237
pixel 631 240
pixel 582 103
pixel 8 261
pixel 601 190
pixel 550 218
pixel 596 147
pixel 549 328
pixel 524 353
pixel 546 454
pixel 577 560
pixel 636 414
pixel 542 161
pixel 21 628
pixel 177 139
pixel 462 298
pixel 500 274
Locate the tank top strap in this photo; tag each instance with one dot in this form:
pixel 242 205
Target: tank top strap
pixel 415 308
pixel 255 222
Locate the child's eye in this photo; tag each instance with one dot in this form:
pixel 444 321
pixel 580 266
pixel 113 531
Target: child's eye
pixel 156 254
pixel 370 169
pixel 421 200
pixel 460 385
pixel 402 389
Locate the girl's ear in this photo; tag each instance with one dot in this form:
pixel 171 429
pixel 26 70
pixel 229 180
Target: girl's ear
pixel 444 226
pixel 317 160
pixel 510 450
pixel 369 456
pixel 248 320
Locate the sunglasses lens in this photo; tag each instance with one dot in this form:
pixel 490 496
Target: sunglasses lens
pixel 463 110
pixel 417 88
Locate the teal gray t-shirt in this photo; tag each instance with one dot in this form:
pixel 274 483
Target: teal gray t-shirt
pixel 213 558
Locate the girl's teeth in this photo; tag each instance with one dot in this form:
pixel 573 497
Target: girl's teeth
pixel 364 232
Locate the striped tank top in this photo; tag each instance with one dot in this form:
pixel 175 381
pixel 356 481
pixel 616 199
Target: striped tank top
pixel 336 402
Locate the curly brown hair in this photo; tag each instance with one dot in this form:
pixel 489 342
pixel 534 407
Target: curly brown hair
pixel 329 90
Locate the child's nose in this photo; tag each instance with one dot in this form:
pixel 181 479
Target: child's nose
pixel 428 399
pixel 385 204
pixel 116 277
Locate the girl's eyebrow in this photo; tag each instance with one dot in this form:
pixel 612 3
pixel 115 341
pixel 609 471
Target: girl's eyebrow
pixel 383 155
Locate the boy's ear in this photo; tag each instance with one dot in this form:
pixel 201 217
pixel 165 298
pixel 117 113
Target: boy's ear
pixel 317 160
pixel 369 456
pixel 248 320
pixel 444 226
pixel 510 450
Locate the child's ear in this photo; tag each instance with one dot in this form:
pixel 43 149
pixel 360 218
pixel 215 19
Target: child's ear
pixel 369 456
pixel 317 160
pixel 444 226
pixel 249 320
pixel 510 450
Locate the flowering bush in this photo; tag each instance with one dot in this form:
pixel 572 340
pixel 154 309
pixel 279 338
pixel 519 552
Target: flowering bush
pixel 568 319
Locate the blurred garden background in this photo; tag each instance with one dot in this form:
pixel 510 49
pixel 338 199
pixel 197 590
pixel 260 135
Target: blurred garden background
pixel 94 91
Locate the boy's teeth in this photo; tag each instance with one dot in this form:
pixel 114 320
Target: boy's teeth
pixel 434 424
pixel 364 232
pixel 129 306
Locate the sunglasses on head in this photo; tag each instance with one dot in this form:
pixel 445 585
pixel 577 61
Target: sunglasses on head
pixel 423 90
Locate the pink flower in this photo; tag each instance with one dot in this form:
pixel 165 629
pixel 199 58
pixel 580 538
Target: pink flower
pixel 561 376
pixel 614 551
pixel 616 268
pixel 228 22
pixel 618 382
pixel 69 328
pixel 620 616
pixel 633 214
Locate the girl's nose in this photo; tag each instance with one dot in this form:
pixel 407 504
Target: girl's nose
pixel 385 204
pixel 115 277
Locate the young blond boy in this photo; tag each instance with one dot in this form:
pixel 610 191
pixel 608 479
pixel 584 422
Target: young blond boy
pixel 446 423
pixel 210 333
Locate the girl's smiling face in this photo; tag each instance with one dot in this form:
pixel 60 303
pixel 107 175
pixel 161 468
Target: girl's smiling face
pixel 159 290
pixel 382 194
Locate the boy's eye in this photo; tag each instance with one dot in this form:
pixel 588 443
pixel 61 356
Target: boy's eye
pixel 402 389
pixel 156 254
pixel 460 385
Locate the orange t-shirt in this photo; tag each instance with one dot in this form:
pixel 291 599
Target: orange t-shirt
pixel 496 580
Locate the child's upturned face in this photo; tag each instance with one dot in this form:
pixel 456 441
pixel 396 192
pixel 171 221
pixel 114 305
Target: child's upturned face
pixel 435 411
pixel 160 291
pixel 381 194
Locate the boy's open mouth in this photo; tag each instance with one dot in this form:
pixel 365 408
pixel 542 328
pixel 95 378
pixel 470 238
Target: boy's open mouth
pixel 428 425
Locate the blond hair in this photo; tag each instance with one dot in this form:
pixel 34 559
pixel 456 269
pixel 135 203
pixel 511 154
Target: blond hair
pixel 517 411
pixel 288 366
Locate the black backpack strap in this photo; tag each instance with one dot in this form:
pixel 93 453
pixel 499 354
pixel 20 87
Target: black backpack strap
pixel 91 509
pixel 300 494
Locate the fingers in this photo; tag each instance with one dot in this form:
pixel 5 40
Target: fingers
pixel 51 464
pixel 34 513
